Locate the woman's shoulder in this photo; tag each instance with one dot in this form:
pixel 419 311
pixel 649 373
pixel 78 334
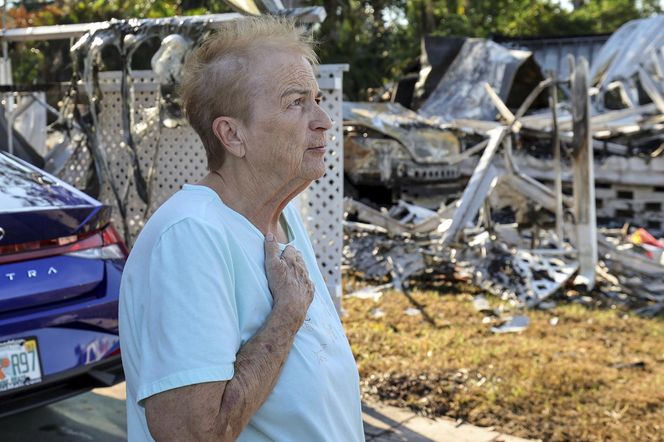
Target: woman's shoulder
pixel 191 211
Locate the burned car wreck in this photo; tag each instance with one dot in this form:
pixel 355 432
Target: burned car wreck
pixel 392 153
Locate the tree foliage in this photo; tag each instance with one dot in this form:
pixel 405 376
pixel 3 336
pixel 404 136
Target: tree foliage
pixel 380 39
pixel 368 37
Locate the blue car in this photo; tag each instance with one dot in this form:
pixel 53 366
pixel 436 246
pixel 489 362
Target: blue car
pixel 60 266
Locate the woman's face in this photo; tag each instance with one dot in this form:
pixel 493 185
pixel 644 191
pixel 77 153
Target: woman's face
pixel 285 138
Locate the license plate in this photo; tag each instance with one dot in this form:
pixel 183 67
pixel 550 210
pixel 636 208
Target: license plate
pixel 19 363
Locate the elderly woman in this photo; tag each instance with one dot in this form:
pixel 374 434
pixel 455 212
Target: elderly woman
pixel 227 329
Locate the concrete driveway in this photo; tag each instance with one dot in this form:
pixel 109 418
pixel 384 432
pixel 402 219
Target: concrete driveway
pixel 96 416
pixel 100 416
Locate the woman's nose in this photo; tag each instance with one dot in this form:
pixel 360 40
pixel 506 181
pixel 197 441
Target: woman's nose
pixel 321 120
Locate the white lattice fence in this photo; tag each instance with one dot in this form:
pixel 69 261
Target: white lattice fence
pixel 322 203
pixel 171 157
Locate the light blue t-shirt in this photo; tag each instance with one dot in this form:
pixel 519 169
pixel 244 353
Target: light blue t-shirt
pixel 194 291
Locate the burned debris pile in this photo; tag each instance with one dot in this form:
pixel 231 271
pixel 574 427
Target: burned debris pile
pixel 561 195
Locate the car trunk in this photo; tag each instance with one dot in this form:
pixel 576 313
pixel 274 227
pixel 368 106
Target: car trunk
pixel 35 206
pixel 41 220
pixel 33 283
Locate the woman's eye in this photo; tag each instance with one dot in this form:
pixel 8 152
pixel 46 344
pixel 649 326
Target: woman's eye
pixel 298 102
pixel 318 100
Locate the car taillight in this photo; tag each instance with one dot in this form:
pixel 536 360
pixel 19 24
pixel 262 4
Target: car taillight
pixel 112 247
pixel 111 236
pixel 106 244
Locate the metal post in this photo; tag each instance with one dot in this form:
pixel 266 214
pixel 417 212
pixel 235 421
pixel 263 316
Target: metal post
pixel 584 175
pixel 558 183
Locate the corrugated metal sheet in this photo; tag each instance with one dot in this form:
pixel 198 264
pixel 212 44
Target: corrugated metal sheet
pixel 551 53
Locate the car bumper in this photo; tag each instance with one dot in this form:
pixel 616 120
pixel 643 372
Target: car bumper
pixel 77 341
pixel 103 373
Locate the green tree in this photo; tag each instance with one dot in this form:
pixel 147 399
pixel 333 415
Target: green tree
pixel 373 37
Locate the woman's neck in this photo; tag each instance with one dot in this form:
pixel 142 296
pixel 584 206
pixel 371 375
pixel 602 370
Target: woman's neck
pixel 261 203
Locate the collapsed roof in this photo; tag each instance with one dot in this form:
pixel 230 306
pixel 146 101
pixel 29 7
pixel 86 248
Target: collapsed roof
pixel 460 92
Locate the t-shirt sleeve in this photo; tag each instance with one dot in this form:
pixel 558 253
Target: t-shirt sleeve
pixel 191 333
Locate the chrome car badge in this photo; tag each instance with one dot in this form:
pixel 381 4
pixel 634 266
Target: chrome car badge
pixel 2 233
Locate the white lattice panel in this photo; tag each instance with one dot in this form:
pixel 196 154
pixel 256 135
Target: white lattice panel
pixel 169 158
pixel 322 203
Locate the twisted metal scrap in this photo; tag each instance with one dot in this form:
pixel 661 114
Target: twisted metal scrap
pixel 125 37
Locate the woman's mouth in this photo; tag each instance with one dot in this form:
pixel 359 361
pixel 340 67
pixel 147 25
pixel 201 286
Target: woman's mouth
pixel 317 149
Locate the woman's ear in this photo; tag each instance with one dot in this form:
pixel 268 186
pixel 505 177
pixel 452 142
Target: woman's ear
pixel 228 131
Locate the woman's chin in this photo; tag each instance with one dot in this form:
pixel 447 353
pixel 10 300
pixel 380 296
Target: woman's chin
pixel 313 170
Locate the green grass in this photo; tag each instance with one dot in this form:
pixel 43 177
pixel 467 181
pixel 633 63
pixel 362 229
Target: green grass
pixel 552 382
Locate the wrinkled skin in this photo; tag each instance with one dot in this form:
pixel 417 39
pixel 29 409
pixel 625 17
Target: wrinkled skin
pixel 281 149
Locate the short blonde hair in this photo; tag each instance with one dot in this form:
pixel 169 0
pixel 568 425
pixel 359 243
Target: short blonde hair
pixel 215 79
